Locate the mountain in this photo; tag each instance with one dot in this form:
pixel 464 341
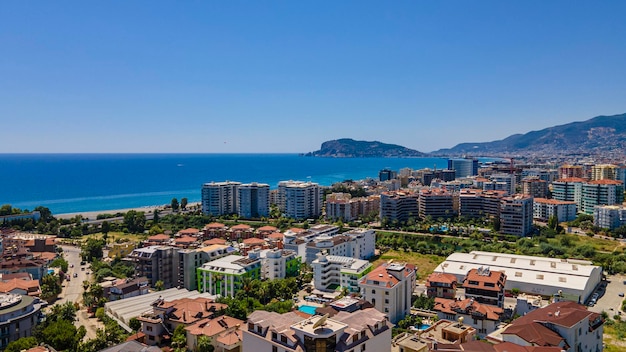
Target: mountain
pixel 601 134
pixel 349 148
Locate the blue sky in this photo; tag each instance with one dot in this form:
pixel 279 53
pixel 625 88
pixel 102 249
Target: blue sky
pixel 284 76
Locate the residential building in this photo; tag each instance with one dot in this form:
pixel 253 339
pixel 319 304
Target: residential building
pixel 128 346
pixel 541 174
pixel 296 239
pixel 571 171
pixel 567 325
pixel 189 260
pixel 253 200
pixel 445 333
pixel 535 187
pixel 398 206
pixel 609 216
pixel 332 272
pixel 544 209
pixel 441 285
pixel 607 172
pixel 224 331
pixel 126 288
pixel 476 204
pixel 215 230
pixel 485 286
pixel 516 215
pixel 426 176
pixel 601 192
pixel 300 200
pixel 19 315
pixel 482 317
pixel 463 167
pixel 341 206
pixel 165 316
pixel 224 276
pixel 568 189
pixel 156 263
pixel 20 285
pixel 356 243
pixel 436 203
pixel 362 330
pixel 220 198
pixel 574 279
pixel 503 182
pixel 389 288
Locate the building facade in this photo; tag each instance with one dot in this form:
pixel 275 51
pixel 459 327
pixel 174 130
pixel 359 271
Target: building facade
pixel 253 200
pixel 389 288
pixel 19 315
pixel 601 192
pixel 398 206
pixel 516 215
pixel 544 209
pixel 219 198
pixel 300 200
pixel 436 203
pixel 331 272
pixel 609 216
pixel 156 263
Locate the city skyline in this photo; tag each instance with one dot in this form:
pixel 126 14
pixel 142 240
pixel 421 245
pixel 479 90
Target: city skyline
pixel 283 77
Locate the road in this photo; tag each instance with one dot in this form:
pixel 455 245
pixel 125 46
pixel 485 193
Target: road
pixel 73 290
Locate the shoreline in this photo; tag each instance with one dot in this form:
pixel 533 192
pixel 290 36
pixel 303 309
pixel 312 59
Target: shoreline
pixel 92 214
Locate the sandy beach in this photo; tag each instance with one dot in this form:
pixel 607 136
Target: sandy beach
pixel 91 215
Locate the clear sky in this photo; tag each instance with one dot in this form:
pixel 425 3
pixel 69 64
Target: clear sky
pixel 284 76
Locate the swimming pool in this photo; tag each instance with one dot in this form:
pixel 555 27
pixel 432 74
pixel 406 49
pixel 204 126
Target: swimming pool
pixel 307 309
pixel 50 271
pixel 422 326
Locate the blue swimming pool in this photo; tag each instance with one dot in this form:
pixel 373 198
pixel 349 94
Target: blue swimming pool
pixel 422 326
pixel 307 309
pixel 50 271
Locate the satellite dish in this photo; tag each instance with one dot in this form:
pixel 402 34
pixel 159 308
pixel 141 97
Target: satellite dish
pixel 321 321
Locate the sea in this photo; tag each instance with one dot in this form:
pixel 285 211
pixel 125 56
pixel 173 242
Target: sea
pixel 69 183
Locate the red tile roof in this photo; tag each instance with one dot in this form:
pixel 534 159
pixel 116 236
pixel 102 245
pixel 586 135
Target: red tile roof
pixel 380 274
pixel 276 236
pixel 241 227
pixel 253 241
pixel 215 225
pixel 442 278
pixel 186 239
pixel 214 241
pixel 467 306
pixel 189 231
pixel 159 237
pixel 605 182
pixel 211 327
pixel 266 229
pixel 30 286
pixel 496 278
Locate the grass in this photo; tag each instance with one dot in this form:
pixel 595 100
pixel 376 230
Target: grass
pixel 426 263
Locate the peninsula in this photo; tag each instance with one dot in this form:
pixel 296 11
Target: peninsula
pixel 350 148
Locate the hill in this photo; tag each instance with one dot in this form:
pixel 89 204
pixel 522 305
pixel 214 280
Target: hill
pixel 599 135
pixel 349 148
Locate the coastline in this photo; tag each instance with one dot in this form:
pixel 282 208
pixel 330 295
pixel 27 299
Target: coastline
pixel 91 215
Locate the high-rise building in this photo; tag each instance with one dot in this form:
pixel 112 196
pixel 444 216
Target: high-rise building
pixel 436 203
pixel 253 200
pixel 568 189
pixel 463 167
pixel 569 171
pixel 606 172
pixel 157 263
pixel 475 204
pixel 219 198
pixel 300 200
pixel 601 192
pixel 386 175
pixel 398 206
pixel 516 215
pixel 331 271
pixel 506 179
pixel 535 187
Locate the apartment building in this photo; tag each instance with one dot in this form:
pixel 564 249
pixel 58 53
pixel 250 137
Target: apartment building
pixel 571 171
pixel 609 216
pixel 502 182
pixel 567 325
pixel 219 198
pixel 398 206
pixel 436 203
pixel 441 285
pixel 19 316
pixel 601 192
pixel 357 243
pixel 191 259
pixel 568 189
pixel 253 200
pixel 535 187
pixel 607 172
pixel 332 272
pixel 541 174
pixel 300 200
pixel 386 175
pixel 426 176
pixel 341 206
pixel 475 204
pixel 156 263
pixel 362 330
pixel 516 215
pixel 224 276
pixel 544 209
pixel 482 317
pixel 485 286
pixel 389 288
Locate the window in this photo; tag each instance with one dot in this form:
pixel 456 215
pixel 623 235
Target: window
pixel 149 328
pixel 283 338
pixel 363 348
pixel 386 301
pixel 373 301
pixel 274 349
pixel 386 293
pixel 373 292
pixel 274 336
pixel 539 276
pixel 150 337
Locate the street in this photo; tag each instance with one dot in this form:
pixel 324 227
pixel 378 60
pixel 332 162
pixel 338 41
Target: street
pixel 73 290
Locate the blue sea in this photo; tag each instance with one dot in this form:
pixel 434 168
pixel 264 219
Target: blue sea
pixel 68 183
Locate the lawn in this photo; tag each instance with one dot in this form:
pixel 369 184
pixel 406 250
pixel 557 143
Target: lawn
pixel 426 263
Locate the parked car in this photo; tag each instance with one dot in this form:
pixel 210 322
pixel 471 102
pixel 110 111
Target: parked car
pixel 75 274
pixel 621 294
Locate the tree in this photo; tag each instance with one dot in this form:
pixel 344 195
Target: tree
pixel 155 217
pixel 60 263
pixel 59 334
pixel 174 204
pixel 179 338
pixel 134 324
pixel 553 222
pixel 92 249
pixel 183 203
pixel 135 221
pixel 50 287
pixel 159 285
pixel 105 227
pixel 65 311
pixel 204 344
pixel 21 344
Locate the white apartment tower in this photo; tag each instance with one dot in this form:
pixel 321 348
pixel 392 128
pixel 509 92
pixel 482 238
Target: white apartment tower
pixel 253 200
pixel 516 215
pixel 300 200
pixel 219 198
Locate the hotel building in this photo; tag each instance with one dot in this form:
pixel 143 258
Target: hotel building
pixel 516 215
pixel 219 198
pixel 398 206
pixel 332 273
pixel 544 209
pixel 253 200
pixel 389 288
pixel 300 200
